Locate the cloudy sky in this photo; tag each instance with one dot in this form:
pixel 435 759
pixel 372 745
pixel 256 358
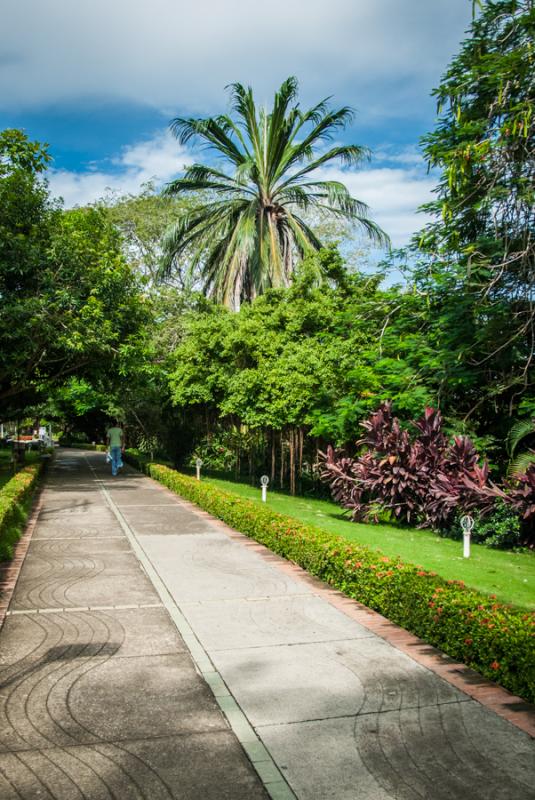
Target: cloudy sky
pixel 99 81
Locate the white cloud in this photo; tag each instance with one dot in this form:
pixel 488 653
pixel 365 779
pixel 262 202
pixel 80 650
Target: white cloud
pixel 382 56
pixel 394 155
pixel 158 159
pixel 393 195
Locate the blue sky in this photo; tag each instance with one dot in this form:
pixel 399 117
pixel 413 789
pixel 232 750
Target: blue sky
pixel 99 81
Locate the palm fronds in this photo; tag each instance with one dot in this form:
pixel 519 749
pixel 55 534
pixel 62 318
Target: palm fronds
pixel 250 233
pixel 519 431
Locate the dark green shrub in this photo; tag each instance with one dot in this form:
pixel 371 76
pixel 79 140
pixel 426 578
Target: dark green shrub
pixel 495 639
pixel 501 528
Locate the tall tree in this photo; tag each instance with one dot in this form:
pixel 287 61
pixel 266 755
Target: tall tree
pixel 251 231
pixel 482 243
pixel 70 305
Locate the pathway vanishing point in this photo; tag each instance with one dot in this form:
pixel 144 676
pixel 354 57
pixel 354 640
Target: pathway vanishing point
pixel 149 653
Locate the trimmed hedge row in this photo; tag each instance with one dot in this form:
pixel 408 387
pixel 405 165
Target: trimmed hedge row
pixel 496 640
pixel 14 502
pixel 99 448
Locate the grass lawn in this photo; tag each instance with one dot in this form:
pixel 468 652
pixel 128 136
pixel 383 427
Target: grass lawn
pixel 510 576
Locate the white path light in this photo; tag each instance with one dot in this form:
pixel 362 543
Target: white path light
pixel 264 481
pixel 467 523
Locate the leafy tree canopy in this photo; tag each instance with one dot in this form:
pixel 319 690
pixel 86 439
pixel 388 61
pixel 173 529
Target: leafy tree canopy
pixel 69 302
pixel 479 277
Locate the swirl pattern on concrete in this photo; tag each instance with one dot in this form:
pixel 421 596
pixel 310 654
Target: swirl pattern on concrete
pixel 103 703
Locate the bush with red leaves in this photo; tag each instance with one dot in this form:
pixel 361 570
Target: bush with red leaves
pixel 422 479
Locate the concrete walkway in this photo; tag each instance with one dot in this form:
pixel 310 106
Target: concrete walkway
pixel 136 622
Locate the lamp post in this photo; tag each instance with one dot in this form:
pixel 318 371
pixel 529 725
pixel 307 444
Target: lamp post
pixel 198 465
pixel 467 523
pixel 264 480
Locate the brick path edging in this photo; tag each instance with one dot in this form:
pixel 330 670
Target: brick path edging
pixel 514 709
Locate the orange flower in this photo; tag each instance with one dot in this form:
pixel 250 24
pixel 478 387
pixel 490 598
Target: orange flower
pixel 468 641
pixel 495 665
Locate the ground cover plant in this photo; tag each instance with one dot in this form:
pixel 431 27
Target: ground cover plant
pixel 495 639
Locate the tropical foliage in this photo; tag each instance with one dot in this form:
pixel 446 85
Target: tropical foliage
pixel 425 478
pixel 87 329
pixel 481 244
pixel 252 227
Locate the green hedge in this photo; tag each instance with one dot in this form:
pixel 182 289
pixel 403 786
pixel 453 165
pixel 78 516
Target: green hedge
pixel 496 640
pixel 100 448
pixel 15 499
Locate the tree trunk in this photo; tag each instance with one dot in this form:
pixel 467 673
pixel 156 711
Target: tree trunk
pixel 273 457
pixel 282 461
pixel 292 438
pixel 301 444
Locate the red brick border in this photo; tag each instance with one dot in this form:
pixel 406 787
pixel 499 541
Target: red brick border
pixel 10 571
pixel 507 705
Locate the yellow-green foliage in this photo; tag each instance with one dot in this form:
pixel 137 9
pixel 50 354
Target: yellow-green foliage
pixel 493 638
pixel 14 500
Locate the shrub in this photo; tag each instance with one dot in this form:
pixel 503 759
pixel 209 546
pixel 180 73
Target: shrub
pixel 14 502
pixel 99 448
pixel 421 478
pixel 501 528
pixel 495 639
pixel 521 490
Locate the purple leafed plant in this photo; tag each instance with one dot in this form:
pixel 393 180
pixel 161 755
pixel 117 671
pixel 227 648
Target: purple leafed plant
pixel 522 494
pixel 421 478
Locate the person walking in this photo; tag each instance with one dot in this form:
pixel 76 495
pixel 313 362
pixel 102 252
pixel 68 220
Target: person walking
pixel 115 440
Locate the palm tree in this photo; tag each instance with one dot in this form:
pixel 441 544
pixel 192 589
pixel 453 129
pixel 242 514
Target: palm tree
pixel 249 229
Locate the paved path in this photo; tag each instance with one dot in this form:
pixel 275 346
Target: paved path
pixel 130 605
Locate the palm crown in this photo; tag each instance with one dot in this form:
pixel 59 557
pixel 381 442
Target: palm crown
pixel 249 231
